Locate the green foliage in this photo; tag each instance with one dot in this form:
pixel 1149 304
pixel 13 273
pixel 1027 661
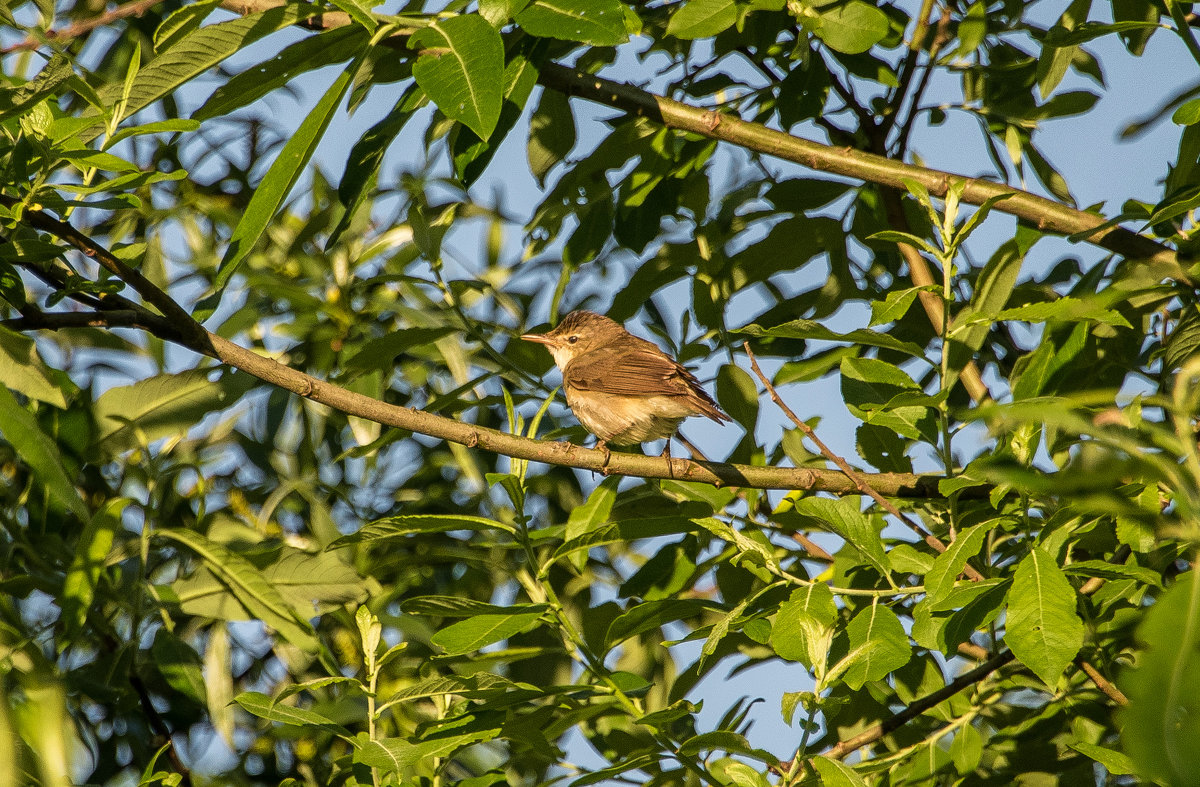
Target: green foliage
pixel 211 579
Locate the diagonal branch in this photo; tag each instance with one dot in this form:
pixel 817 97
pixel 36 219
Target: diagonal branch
pixel 1045 214
pixel 859 479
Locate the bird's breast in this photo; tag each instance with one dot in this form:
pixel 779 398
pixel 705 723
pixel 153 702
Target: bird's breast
pixel 626 420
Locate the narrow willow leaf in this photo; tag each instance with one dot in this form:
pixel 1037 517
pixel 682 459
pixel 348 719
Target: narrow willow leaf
pixel 474 633
pixel 197 52
pixel 36 449
pixel 811 329
pixel 23 370
pixel 949 564
pixel 264 707
pixel 410 524
pixel 460 69
pixel 91 553
pixel 278 181
pixel 252 589
pixel 595 22
pixel 15 100
pixel 307 54
pixel 1043 630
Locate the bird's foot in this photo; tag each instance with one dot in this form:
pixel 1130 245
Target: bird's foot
pixel 603 446
pixel 666 454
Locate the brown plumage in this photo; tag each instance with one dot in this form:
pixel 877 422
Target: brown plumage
pixel 622 389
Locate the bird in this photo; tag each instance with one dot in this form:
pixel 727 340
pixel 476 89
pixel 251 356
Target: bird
pixel 623 389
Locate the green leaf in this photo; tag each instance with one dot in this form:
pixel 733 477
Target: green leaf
pixel 307 54
pixel 479 685
pixel 605 774
pixel 460 70
pixel 91 555
pixel 264 707
pixel 878 645
pixel 844 518
pixel 470 635
pixel 179 664
pixel 652 615
pixel 835 773
pixel 168 404
pixel 803 628
pixel 702 18
pixel 723 740
pixel 24 371
pixel 949 564
pixel 196 53
pixel 277 183
pixel 1161 725
pixel 1187 114
pixel 393 755
pixel 359 11
pixel 852 27
pixel 1115 762
pixel 15 100
pixel 37 450
pixel 410 524
pixel 362 171
pixel 595 22
pixel 551 133
pixel 1043 630
pixel 261 598
pixel 455 607
pixel 811 329
pixel 869 384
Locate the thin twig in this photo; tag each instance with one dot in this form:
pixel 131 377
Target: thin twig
pixel 919 706
pixel 855 477
pixel 80 28
pixel 939 40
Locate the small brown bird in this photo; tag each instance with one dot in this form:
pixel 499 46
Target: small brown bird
pixel 622 389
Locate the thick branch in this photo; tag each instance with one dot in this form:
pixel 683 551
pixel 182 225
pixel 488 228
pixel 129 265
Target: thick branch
pixel 1045 214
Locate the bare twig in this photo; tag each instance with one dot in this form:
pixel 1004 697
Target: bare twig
pixel 857 478
pixel 78 29
pixel 939 40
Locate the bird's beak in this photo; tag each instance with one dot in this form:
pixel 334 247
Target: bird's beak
pixel 540 338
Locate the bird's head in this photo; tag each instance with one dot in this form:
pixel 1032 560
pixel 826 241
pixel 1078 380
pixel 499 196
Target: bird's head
pixel 579 332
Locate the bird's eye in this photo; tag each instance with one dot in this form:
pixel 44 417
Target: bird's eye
pixel 572 339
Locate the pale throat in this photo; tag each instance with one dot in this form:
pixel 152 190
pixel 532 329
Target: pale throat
pixel 562 355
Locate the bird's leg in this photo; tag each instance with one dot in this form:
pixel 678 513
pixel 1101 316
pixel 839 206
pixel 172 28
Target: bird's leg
pixel 601 445
pixel 666 454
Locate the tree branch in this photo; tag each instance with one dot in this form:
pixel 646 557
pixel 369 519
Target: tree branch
pixel 1045 214
pixel 76 30
pixel 177 326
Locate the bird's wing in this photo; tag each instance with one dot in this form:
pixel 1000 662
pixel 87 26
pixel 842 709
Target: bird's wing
pixel 637 371
pixel 627 371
